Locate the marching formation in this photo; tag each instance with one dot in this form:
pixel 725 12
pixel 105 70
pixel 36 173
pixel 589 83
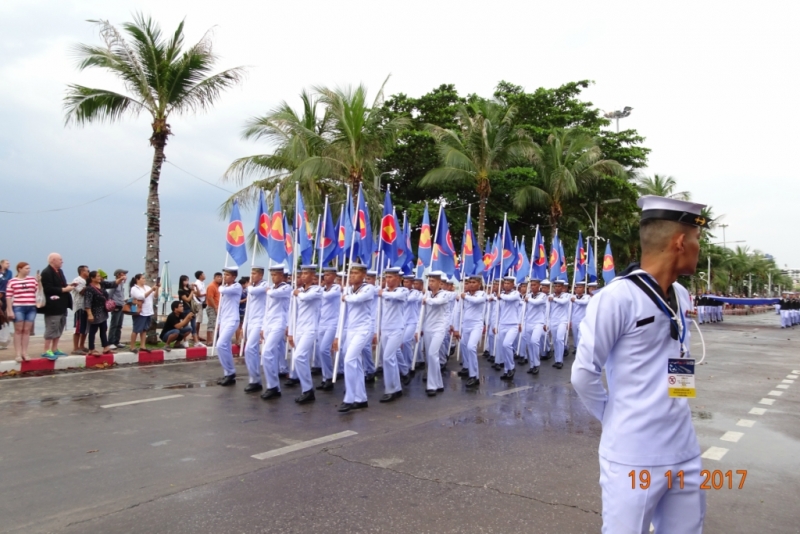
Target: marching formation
pixel 789 310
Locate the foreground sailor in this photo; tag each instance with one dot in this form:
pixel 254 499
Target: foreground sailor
pixel 472 329
pixel 273 331
pixel 357 333
pixel 508 308
pixel 228 317
pixel 535 328
pixel 393 307
pixel 328 320
pixel 435 323
pixel 635 328
pixel 308 300
pixel 254 317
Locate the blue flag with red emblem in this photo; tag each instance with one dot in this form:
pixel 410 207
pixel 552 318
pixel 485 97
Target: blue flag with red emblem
pixel 305 235
pixel 523 266
pixel 424 248
pixel 234 236
pixel 580 261
pixel 562 274
pixel 443 258
pixel 288 244
pixel 555 258
pixel 473 257
pixel 509 250
pixel 366 247
pixel 591 265
pixel 276 249
pixel 262 221
pixel 390 237
pixel 539 257
pixel 327 240
pixel 352 238
pixel 608 265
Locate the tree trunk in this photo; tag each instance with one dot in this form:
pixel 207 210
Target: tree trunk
pixel 481 218
pixel 153 236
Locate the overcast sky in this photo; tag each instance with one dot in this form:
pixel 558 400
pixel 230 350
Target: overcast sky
pixel 712 85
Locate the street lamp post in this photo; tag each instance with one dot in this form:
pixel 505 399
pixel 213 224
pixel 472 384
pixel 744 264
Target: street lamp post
pixel 378 179
pixel 617 115
pixel 708 284
pixel 723 226
pixel 594 222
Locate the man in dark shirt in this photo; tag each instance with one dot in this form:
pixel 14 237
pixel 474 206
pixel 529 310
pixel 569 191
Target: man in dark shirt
pixel 176 327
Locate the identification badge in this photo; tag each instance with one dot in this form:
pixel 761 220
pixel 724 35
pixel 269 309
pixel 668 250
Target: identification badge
pixel 680 378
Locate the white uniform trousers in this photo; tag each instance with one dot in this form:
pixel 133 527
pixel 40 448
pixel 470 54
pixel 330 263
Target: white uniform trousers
pixel 490 341
pixel 325 337
pixel 252 353
pixel 354 343
pixel 301 355
pixel 471 334
pixel 507 336
pixel 407 349
pixel 366 354
pixel 560 340
pixel 225 348
pixel 532 336
pixel 444 349
pixel 390 345
pixel 547 342
pixel 784 318
pixel 630 511
pixel 432 340
pixel 272 355
pixel 576 333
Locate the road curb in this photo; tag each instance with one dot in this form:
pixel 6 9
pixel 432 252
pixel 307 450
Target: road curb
pixel 105 361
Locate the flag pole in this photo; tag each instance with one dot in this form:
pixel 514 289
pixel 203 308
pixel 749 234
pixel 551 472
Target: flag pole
pixel 572 295
pixel 463 290
pixel 342 306
pixel 528 287
pixel 500 289
pixel 486 315
pixel 247 303
pixel 418 333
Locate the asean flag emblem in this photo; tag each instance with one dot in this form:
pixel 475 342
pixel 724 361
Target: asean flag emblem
pixel 388 229
pixel 263 225
pixel 235 235
pixel 326 242
pixel 425 236
pixel 276 232
pixel 518 266
pixel 540 257
pixel 362 223
pixel 288 245
pixel 341 236
pixel 468 243
pixel 449 241
pixel 487 260
pixel 553 257
pixel 581 257
pixel 608 262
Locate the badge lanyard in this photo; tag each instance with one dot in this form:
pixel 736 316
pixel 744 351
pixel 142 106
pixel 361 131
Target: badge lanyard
pixel 675 319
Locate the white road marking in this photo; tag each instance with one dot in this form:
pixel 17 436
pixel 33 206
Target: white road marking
pixel 745 422
pixel 160 443
pixel 787 381
pixel 140 401
pixel 304 445
pixel 768 402
pixel 714 453
pixel 732 436
pixel 510 391
pixel 775 393
pixel 758 411
pixel 796 372
pixel 782 386
pixel 792 377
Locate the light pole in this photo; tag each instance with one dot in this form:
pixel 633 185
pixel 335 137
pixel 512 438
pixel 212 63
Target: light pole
pixel 626 112
pixel 723 226
pixel 378 179
pixel 594 222
pixel 708 283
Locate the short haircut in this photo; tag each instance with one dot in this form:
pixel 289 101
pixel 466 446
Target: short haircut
pixel 92 274
pixel 20 265
pixel 198 274
pixel 217 274
pixel 655 234
pixel 81 268
pixel 244 280
pixel 175 304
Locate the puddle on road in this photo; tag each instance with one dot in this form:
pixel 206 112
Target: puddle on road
pixel 702 415
pixel 187 385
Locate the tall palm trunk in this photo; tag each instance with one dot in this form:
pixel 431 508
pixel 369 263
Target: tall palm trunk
pixel 153 237
pixel 484 190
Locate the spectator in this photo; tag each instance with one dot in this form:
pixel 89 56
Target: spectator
pixel 79 317
pixel 143 296
pixel 200 297
pixel 117 294
pixel 212 303
pixel 177 327
pixel 21 308
pixel 94 302
pixel 186 296
pixel 5 328
pixel 58 301
pixel 244 281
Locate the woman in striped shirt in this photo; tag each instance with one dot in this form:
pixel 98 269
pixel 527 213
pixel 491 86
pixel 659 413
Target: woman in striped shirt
pixel 21 307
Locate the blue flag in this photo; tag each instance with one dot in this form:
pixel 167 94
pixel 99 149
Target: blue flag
pixel 580 260
pixel 562 274
pixel 276 248
pixel 608 264
pixel 234 237
pixel 424 247
pixel 443 249
pixel 288 245
pixel 555 258
pixel 366 247
pixel 473 257
pixel 509 251
pixel 327 241
pixel 305 235
pixel 591 266
pixel 539 258
pixel 352 237
pixel 262 221
pixel 523 266
pixel 390 237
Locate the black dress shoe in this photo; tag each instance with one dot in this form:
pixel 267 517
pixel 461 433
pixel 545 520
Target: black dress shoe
pixel 497 367
pixel 486 354
pixel 473 382
pixel 558 365
pixel 389 397
pixel 508 376
pixel 291 382
pixel 253 388
pixel 443 368
pixel 431 392
pixel 370 378
pixel 405 379
pixel 229 380
pixel 345 407
pixel 359 405
pixel 327 385
pixel 463 372
pixel 271 393
pixel 379 371
pixel 316 371
pixel 535 370
pixel 490 358
pixel 306 397
pixel 439 390
pixel 283 375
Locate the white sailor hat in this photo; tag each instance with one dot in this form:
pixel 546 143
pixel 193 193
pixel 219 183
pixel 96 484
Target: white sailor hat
pixel 276 268
pixel 372 273
pixel 670 209
pixel 557 281
pixel 329 269
pixel 341 274
pixel 308 267
pixel 545 282
pixel 358 266
pixel 436 274
pixel 392 270
pixel 592 284
pixel 534 279
pixel 510 279
pixel 256 268
pixel 408 276
pixel 475 277
pixel 234 270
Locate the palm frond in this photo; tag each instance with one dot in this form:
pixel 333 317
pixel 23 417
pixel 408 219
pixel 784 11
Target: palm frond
pixel 84 104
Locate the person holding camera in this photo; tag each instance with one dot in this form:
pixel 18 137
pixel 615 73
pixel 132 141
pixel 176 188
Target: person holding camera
pixel 177 327
pixel 143 296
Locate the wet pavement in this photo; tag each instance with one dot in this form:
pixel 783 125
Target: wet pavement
pixel 76 457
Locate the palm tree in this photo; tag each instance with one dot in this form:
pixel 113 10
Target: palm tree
pixel 660 185
pixel 486 141
pixel 161 78
pixel 567 163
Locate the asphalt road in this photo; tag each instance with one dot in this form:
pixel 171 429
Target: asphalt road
pixel 518 457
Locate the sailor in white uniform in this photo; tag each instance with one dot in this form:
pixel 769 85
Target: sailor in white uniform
pixel 435 322
pixel 410 318
pixel 546 344
pixel 228 317
pixel 533 331
pixel 444 351
pixel 636 330
pixel 393 307
pixel 303 332
pixel 559 321
pixel 473 300
pixel 256 308
pixel 328 321
pixel 357 333
pixel 274 331
pixel 508 327
pixel 579 302
pixel 491 324
pixel 367 354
